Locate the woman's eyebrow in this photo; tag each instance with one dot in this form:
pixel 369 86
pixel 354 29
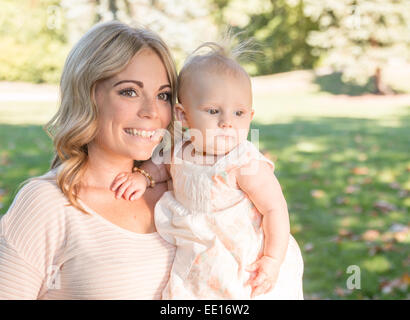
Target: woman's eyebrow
pixel 164 86
pixel 138 83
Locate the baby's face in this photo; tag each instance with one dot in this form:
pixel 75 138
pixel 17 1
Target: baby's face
pixel 218 111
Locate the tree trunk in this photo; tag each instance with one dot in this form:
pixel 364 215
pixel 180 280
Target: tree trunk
pixel 381 88
pixel 113 8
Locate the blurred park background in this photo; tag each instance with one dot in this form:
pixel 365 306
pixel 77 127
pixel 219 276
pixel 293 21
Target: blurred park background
pixel 332 102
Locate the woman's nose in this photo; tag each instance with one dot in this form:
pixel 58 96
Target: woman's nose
pixel 148 109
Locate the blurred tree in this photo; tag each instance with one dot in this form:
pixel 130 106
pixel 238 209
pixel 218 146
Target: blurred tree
pixel 33 40
pixel 359 37
pixel 182 24
pixel 279 27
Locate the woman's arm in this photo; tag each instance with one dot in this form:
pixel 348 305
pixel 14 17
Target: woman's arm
pixel 31 232
pixel 18 279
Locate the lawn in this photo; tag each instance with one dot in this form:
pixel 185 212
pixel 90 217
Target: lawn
pixel 342 161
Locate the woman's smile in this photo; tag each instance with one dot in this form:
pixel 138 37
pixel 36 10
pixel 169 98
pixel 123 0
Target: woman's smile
pixel 146 134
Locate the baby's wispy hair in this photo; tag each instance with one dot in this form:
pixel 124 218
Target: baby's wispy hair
pixel 225 55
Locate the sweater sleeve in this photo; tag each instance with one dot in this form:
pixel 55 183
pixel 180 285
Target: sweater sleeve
pixel 31 235
pixel 18 279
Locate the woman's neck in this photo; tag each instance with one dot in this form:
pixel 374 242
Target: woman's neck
pixel 103 167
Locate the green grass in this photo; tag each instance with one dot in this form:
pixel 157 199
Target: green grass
pixel 320 154
pixel 336 158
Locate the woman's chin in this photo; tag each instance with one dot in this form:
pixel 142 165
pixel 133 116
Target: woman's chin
pixel 142 155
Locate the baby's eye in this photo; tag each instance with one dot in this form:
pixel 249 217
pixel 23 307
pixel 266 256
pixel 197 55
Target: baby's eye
pixel 166 96
pixel 239 113
pixel 128 93
pixel 213 111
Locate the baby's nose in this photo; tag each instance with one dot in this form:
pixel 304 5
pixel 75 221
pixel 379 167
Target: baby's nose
pixel 225 123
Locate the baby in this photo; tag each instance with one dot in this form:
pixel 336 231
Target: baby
pixel 226 213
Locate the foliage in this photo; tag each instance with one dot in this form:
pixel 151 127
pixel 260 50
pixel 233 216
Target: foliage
pixel 182 24
pixel 360 36
pixel 33 42
pixel 279 28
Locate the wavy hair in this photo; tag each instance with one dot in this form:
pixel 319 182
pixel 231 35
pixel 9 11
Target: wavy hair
pixel 105 50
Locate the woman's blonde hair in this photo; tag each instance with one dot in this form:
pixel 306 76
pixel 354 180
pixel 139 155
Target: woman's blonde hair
pixel 105 50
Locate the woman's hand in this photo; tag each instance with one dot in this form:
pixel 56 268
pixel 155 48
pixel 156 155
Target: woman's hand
pixel 264 274
pixel 130 186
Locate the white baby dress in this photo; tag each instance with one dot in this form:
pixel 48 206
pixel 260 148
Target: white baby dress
pixel 218 232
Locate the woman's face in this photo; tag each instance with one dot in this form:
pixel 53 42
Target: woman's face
pixel 133 106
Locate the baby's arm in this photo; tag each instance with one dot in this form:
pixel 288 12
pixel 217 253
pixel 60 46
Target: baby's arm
pixel 258 181
pixel 132 186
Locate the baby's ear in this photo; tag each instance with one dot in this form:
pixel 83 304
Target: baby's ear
pixel 252 113
pixel 180 114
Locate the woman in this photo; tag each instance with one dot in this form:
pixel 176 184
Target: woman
pixel 66 236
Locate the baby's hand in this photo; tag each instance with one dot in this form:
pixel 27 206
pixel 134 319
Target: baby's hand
pixel 265 272
pixel 130 186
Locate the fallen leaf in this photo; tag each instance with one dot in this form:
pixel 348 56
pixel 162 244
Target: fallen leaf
pixel 384 206
pixel 387 236
pixel 367 180
pixel 374 213
pixel 403 193
pixel 5 156
pixel 351 189
pixel 401 283
pixel 351 180
pixel 401 236
pixel 344 233
pixel 308 247
pixel 406 278
pixel 388 246
pixel 358 209
pixel 398 227
pixel 316 164
pixel 342 200
pixel 358 138
pixel 360 170
pixel 341 292
pixel 394 185
pixel 317 193
pixel 371 235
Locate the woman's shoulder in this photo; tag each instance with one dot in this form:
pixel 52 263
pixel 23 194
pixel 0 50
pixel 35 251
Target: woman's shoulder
pixel 35 224
pixel 42 189
pixel 36 204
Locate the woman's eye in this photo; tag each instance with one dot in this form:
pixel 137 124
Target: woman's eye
pixel 166 96
pixel 239 113
pixel 128 93
pixel 212 111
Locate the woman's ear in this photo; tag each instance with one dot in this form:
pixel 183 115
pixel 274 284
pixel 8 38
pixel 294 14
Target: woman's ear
pixel 180 114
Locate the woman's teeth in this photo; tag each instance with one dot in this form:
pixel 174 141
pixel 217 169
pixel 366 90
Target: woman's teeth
pixel 141 133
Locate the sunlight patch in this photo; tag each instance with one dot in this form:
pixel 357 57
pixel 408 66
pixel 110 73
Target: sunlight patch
pixel 377 264
pixel 309 147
